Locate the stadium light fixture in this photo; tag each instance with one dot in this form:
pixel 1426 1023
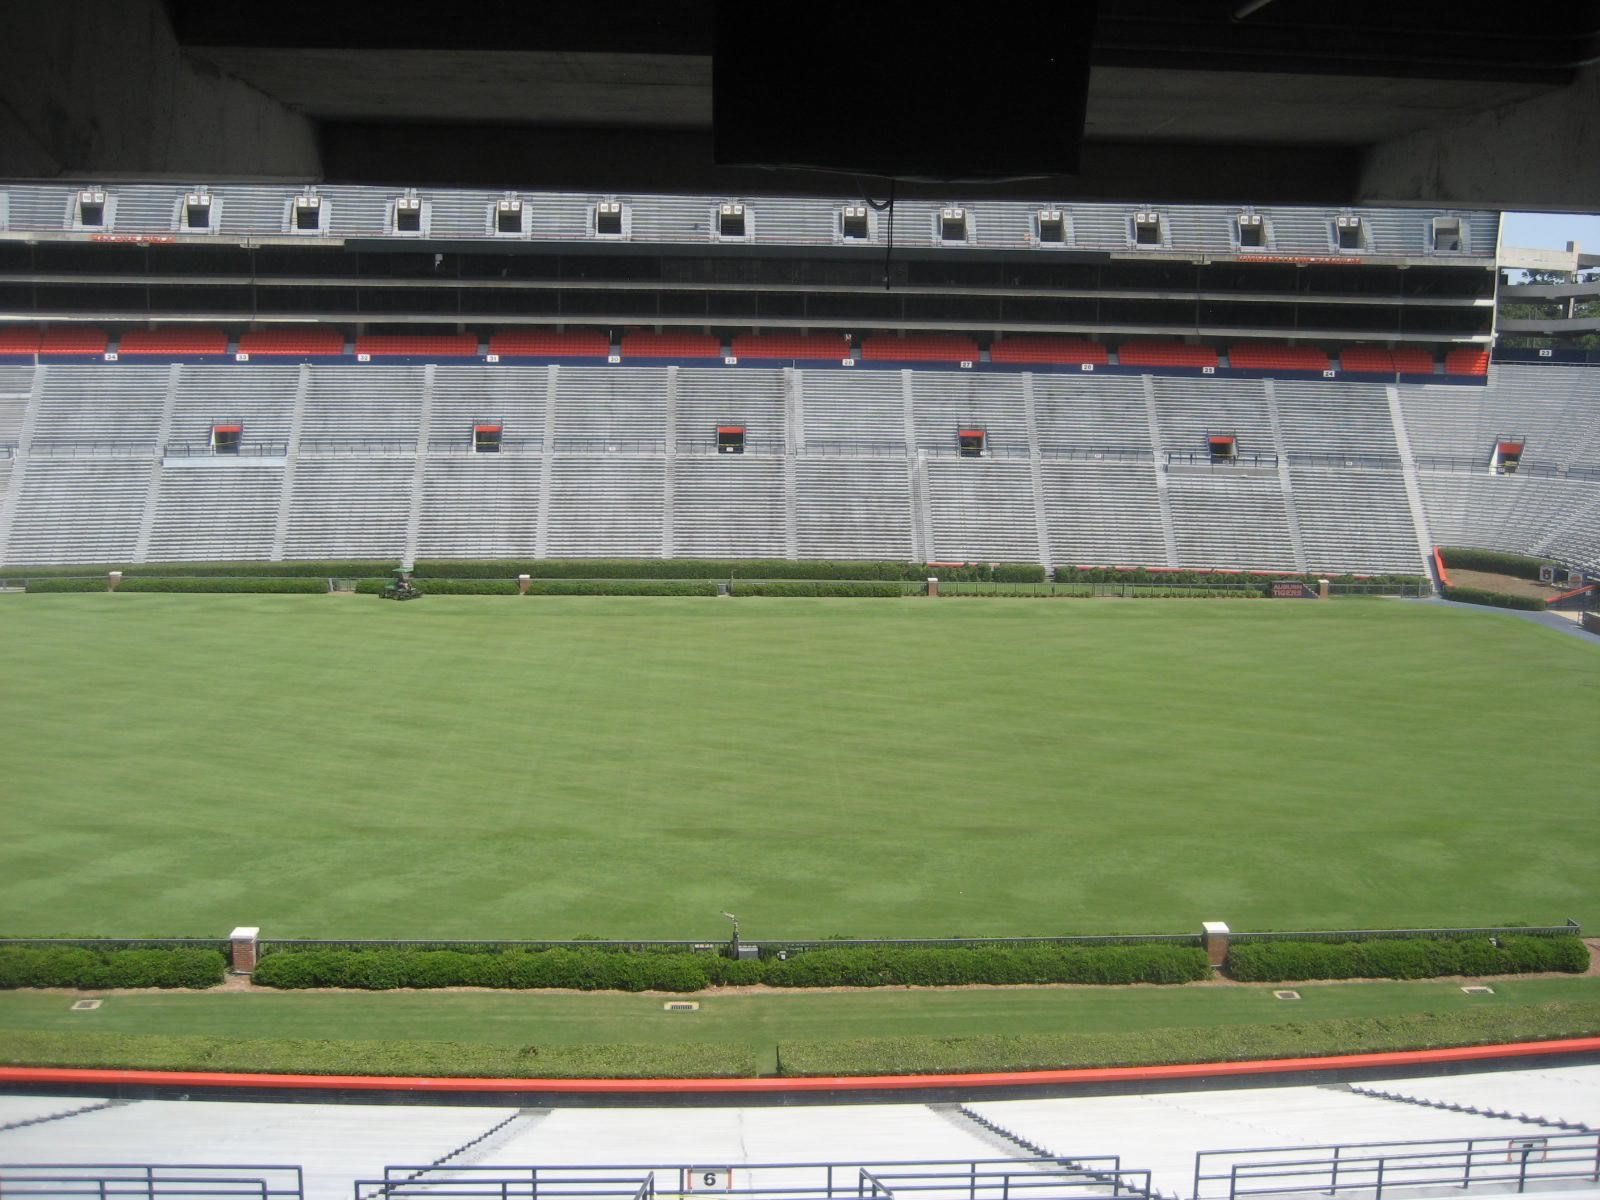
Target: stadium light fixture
pixel 408 213
pixel 92 207
pixel 608 218
pixel 197 211
pixel 508 215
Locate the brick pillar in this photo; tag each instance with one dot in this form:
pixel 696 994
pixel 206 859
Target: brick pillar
pixel 1214 934
pixel 244 948
pixel 933 586
pixel 113 581
pixel 522 584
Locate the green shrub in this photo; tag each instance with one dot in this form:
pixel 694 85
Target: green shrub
pixel 79 967
pixel 464 587
pixel 880 966
pixel 857 588
pixel 67 584
pixel 1495 562
pixel 1467 595
pixel 721 569
pixel 214 583
pixel 619 587
pixel 1404 958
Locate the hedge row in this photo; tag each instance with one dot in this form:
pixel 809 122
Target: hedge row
pixel 337 569
pixel 713 568
pixel 552 587
pixel 1496 562
pixel 857 588
pixel 1218 578
pixel 96 584
pixel 76 967
pixel 259 583
pixel 1467 595
pixel 601 970
pixel 446 587
pixel 1405 958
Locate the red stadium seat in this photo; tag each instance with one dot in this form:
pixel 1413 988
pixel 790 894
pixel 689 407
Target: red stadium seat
pixel 1410 360
pixel 1372 360
pixel 20 339
pixel 547 343
pixel 831 346
pixel 919 347
pixel 1031 349
pixel 643 344
pixel 1165 354
pixel 292 342
pixel 173 341
pixel 1466 360
pixel 72 339
pixel 418 345
pixel 1266 356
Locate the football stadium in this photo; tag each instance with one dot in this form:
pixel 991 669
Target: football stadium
pixel 887 667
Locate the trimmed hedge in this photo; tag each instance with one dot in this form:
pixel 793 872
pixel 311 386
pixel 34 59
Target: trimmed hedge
pixel 77 967
pixel 96 584
pixel 340 569
pixel 719 569
pixel 1190 579
pixel 1404 958
pixel 620 587
pixel 1496 562
pixel 857 588
pixel 215 584
pixel 609 970
pixel 1467 595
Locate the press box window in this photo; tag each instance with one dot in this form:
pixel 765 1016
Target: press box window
pixel 853 222
pixel 486 439
pixel 92 209
pixel 970 442
pixel 225 438
pixel 1347 232
pixel 730 439
pixel 952 224
pixel 730 221
pixel 408 215
pixel 1147 229
pixel 1052 227
pixel 1447 234
pixel 508 216
pixel 1252 231
pixel 308 214
pixel 197 211
pixel 608 218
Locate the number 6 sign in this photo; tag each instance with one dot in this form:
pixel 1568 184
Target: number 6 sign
pixel 707 1179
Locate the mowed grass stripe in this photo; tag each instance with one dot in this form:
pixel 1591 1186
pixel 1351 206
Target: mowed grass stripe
pixel 496 767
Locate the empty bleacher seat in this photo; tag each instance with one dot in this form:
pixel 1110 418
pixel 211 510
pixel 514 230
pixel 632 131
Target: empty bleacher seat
pixel 292 342
pixel 548 343
pixel 1466 360
pixel 1165 354
pixel 919 347
pixel 1264 356
pixel 1409 360
pixel 1031 349
pixel 414 345
pixel 829 346
pixel 72 339
pixel 173 341
pixel 645 344
pixel 19 340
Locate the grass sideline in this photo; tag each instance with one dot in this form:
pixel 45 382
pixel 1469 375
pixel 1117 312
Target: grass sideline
pixel 495 767
pixel 357 1031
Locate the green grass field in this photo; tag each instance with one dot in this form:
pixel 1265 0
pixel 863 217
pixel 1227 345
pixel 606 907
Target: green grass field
pixel 496 767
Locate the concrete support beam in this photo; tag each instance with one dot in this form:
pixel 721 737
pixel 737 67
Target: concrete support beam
pixel 102 91
pixel 1541 154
